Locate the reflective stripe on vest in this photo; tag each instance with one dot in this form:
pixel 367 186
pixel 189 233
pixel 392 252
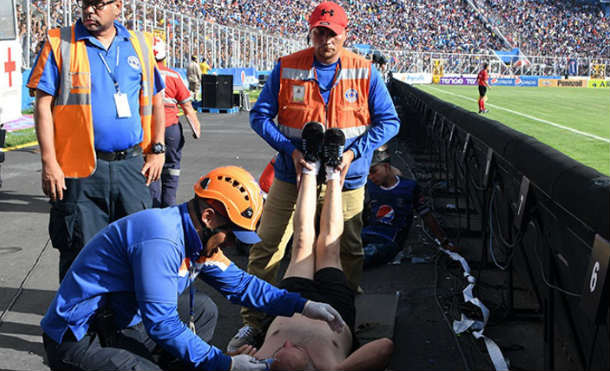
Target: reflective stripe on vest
pixel 147 92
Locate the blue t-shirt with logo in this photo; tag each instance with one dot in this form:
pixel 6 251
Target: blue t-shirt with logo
pixel 391 209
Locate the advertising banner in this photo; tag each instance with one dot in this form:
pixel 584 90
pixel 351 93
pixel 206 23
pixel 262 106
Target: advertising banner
pixel 596 83
pixel 571 83
pixel 529 81
pixel 547 83
pixel 457 80
pixel 502 81
pixel 414 78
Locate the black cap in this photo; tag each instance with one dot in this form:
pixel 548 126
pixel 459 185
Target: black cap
pixel 380 156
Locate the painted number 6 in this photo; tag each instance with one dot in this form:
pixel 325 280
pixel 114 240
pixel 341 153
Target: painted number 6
pixel 593 282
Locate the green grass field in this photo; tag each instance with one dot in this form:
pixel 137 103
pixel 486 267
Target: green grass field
pixel 542 112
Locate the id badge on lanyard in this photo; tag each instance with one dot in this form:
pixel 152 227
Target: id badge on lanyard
pixel 120 99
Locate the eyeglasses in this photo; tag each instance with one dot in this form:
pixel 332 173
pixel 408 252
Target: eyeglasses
pixel 98 5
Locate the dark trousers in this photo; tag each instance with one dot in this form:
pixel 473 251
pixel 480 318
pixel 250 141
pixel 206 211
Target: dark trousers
pixel 130 348
pixel 114 190
pixel 163 192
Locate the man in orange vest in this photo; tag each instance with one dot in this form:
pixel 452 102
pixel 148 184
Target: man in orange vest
pixel 339 89
pixel 98 109
pixel 164 190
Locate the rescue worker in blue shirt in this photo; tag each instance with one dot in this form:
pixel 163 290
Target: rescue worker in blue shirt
pixel 329 84
pixel 98 109
pixel 137 266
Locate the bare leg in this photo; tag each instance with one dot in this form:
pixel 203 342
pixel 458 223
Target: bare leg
pixel 302 258
pixel 328 244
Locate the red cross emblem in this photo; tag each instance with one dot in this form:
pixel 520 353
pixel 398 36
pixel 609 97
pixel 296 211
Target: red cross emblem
pixel 9 67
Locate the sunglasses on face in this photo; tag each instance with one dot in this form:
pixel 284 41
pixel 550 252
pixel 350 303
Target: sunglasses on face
pixel 97 5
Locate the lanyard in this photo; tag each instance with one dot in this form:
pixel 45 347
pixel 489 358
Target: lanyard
pixel 112 73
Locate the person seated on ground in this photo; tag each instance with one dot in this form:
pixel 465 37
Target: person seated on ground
pixel 390 200
pixel 297 342
pixel 116 308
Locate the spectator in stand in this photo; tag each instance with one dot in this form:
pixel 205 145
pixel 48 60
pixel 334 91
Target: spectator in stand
pixel 204 66
pixel 163 191
pixel 193 75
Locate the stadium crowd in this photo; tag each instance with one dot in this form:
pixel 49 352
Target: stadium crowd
pixel 539 27
pixel 551 27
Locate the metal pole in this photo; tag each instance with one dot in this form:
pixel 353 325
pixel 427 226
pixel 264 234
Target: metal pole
pixel 28 33
pixel 174 39
pixel 144 6
pixel 133 15
pixel 227 51
pixel 154 17
pixel 49 25
pixel 181 40
pixel 198 39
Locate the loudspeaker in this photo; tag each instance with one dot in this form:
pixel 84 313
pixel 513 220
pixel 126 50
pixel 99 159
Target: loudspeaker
pixel 217 91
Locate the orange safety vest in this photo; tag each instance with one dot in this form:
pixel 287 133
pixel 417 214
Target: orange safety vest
pixel 300 101
pixel 72 117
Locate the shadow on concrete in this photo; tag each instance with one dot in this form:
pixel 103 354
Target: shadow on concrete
pixel 21 345
pixel 31 301
pixel 11 201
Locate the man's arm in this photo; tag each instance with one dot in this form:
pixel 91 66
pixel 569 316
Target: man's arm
pixel 154 162
pixel 425 211
pixel 261 120
pixel 183 96
pixel 155 266
pixel 191 116
pixel 53 181
pixel 263 112
pixel 384 123
pixel 371 356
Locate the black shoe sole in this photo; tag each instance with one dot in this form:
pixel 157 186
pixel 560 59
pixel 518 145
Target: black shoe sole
pixel 313 138
pixel 334 141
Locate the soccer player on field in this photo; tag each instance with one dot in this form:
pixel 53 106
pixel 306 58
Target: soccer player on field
pixel 482 82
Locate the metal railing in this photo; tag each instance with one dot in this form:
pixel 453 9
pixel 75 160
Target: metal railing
pixel 186 34
pixel 225 46
pixel 462 64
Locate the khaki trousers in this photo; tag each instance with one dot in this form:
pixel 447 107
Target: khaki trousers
pixel 276 229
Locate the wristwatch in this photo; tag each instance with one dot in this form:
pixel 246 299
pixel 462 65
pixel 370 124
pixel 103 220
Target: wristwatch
pixel 158 148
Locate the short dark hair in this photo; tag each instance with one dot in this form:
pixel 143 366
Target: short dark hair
pixel 194 58
pixel 485 65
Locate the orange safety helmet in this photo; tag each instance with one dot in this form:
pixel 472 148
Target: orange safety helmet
pixel 241 196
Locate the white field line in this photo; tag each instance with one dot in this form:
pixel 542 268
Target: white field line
pixel 526 116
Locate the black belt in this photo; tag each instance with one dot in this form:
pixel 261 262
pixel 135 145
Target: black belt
pixel 119 155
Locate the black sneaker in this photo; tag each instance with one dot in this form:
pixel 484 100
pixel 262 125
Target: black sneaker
pixel 334 141
pixel 312 137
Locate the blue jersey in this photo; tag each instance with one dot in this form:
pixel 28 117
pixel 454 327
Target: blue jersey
pixel 391 209
pixel 384 124
pixel 111 133
pixel 145 260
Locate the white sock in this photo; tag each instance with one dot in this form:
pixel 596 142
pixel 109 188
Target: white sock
pixel 332 173
pixel 316 168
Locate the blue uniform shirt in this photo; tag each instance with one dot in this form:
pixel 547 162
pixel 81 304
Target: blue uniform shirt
pixel 140 259
pixel 384 124
pixel 110 132
pixel 391 209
